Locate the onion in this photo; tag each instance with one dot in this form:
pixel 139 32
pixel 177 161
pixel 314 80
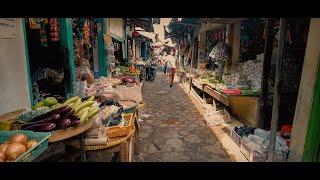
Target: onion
pixel 14 150
pixel 19 138
pixel 2 156
pixel 3 147
pixel 30 143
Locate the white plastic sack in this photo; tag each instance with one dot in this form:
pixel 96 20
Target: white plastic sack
pixel 130 93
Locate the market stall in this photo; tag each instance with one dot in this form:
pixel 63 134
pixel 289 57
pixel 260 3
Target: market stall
pixel 47 62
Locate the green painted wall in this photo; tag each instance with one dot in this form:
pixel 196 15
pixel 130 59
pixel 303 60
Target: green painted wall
pixel 67 44
pixel 311 150
pixel 101 49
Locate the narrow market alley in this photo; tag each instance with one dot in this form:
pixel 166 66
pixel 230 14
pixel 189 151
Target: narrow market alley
pixel 172 129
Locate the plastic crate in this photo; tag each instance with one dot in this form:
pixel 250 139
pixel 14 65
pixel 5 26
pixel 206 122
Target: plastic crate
pixel 251 155
pixel 33 152
pixel 235 137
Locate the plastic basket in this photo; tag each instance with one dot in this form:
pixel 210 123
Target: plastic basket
pixel 235 137
pixel 131 109
pixel 251 155
pixel 33 152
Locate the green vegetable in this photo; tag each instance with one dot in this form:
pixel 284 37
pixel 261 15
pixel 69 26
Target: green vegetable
pixel 93 111
pixel 71 100
pixel 91 98
pixel 50 101
pixel 38 105
pixel 83 105
pixel 76 104
pixel 82 110
pixel 56 106
pixel 84 116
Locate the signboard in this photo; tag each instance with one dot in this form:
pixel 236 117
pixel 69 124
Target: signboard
pixel 116 27
pixel 8 28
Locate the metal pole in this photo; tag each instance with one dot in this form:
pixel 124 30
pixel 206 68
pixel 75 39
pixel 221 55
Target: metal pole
pixel 276 97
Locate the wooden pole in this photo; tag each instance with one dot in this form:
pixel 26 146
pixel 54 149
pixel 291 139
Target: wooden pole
pixel 268 47
pixel 276 96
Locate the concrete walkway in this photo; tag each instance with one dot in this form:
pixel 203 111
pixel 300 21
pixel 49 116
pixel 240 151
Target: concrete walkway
pixel 172 129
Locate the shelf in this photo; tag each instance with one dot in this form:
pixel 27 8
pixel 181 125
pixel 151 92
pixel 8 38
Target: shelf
pixel 217 95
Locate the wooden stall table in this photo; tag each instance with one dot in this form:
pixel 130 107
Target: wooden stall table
pixel 126 146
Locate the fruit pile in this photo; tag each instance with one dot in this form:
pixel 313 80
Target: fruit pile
pixel 49 102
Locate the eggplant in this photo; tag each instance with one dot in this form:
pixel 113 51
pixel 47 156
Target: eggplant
pixel 51 119
pixel 75 122
pixel 69 114
pixel 44 127
pixel 65 111
pixel 49 114
pixel 63 123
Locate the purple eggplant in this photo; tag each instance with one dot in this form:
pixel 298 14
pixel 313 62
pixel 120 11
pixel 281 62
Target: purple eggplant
pixel 70 114
pixel 65 111
pixel 75 122
pixel 63 123
pixel 51 119
pixel 45 127
pixel 50 113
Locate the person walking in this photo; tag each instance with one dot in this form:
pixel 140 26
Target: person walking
pixel 171 60
pixel 164 57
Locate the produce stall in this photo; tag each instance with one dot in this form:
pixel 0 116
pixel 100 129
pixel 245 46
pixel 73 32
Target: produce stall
pixel 77 120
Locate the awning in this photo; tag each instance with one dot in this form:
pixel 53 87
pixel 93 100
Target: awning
pixel 144 23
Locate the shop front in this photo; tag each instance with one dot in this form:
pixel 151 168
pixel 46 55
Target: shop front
pixel 242 87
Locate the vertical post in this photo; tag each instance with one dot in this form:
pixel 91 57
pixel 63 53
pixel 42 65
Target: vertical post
pixel 268 47
pixel 67 45
pixel 101 48
pixel 27 61
pixel 276 96
pixel 312 144
pixel 125 45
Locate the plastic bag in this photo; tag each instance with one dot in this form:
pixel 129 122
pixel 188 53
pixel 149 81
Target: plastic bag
pixel 130 93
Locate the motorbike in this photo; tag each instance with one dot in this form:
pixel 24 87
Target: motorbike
pixel 151 71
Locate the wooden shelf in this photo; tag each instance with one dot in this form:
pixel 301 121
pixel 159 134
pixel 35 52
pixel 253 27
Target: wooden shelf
pixel 217 95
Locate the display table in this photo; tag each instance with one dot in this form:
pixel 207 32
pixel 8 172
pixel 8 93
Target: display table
pixel 244 108
pixel 217 95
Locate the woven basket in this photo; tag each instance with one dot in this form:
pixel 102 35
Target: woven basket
pixel 117 136
pixel 111 142
pixel 118 131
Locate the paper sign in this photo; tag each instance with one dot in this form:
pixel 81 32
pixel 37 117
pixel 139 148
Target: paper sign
pixel 8 28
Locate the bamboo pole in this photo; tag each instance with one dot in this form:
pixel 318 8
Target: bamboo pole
pixel 268 47
pixel 276 96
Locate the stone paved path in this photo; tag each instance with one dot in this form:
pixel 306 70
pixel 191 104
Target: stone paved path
pixel 172 129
